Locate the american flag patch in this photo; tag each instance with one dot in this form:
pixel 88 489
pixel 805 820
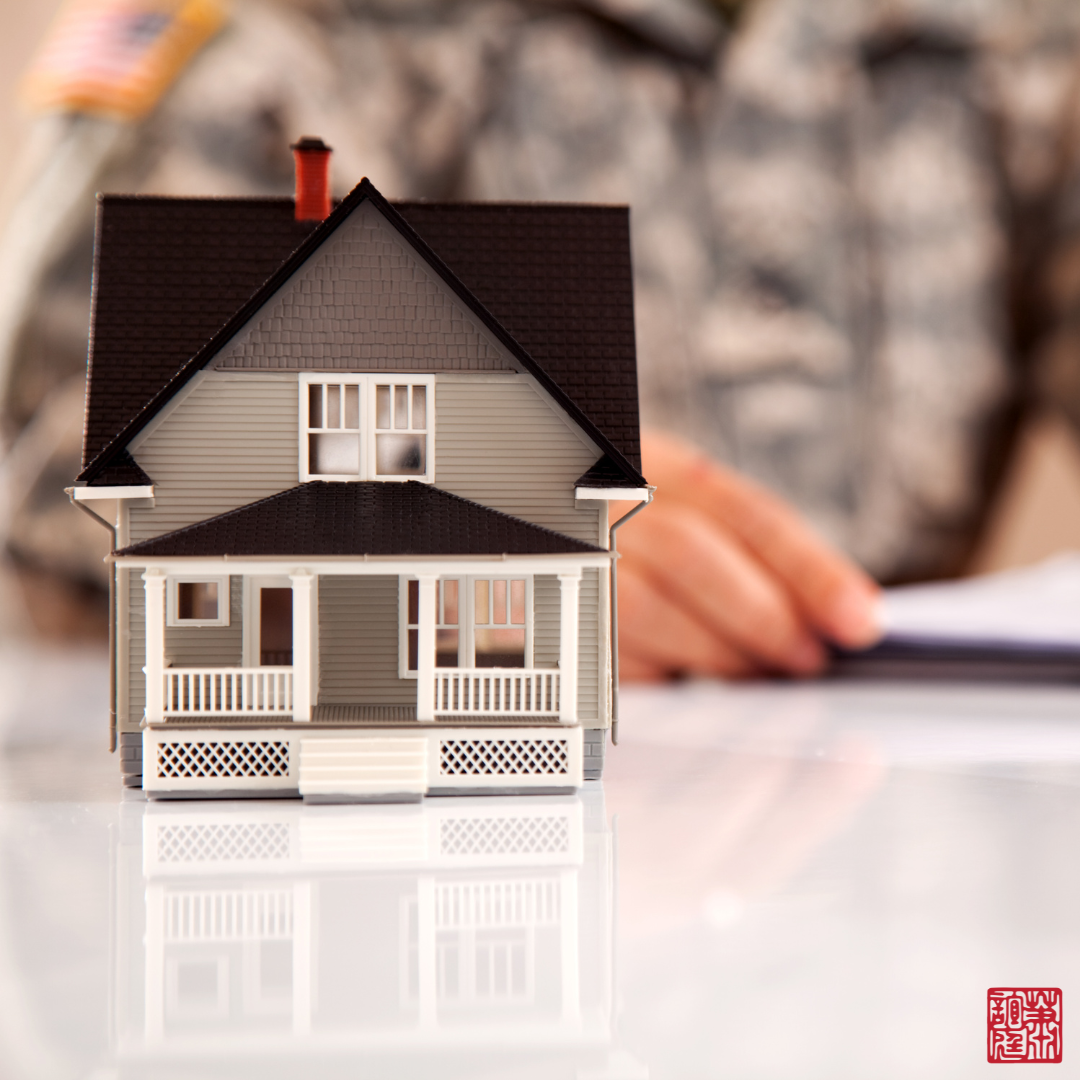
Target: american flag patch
pixel 117 57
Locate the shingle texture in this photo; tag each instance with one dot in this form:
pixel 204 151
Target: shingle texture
pixel 364 300
pixel 171 272
pixel 604 474
pixel 168 274
pixel 363 518
pixel 559 278
pixel 124 472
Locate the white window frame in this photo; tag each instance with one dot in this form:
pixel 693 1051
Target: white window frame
pixel 366 384
pixel 172 605
pixel 466 628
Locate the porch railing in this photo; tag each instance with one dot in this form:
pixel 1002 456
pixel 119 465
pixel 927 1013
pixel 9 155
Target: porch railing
pixel 201 691
pixel 495 692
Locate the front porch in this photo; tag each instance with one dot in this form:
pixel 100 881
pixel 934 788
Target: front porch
pixel 409 632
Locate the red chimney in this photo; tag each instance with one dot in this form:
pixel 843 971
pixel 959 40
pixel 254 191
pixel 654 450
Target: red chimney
pixel 312 178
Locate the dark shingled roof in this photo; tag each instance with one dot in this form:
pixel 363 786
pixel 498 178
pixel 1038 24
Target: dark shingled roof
pixel 361 518
pixel 559 278
pixel 604 474
pixel 168 274
pixel 172 272
pixel 123 472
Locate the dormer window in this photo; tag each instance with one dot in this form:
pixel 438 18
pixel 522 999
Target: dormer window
pixel 367 427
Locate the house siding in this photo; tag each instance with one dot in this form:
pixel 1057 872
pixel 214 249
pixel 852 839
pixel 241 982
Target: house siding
pixel 546 620
pixel 358 643
pixel 231 441
pixel 210 646
pixel 501 444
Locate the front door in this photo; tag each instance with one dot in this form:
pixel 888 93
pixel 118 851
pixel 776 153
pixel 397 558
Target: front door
pixel 268 622
pixel 275 627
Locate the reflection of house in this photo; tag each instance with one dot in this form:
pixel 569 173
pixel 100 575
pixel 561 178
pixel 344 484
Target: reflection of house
pixel 362 491
pixel 469 929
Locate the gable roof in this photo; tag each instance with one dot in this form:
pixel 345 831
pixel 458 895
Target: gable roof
pixel 367 517
pixel 157 291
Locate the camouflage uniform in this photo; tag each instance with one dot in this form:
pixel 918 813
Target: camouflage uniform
pixel 852 218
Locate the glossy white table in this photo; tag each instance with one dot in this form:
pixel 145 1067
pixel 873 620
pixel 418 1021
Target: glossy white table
pixel 782 881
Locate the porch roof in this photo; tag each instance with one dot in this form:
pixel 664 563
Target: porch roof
pixel 361 518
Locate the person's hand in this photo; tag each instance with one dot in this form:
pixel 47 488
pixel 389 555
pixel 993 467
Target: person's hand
pixel 720 577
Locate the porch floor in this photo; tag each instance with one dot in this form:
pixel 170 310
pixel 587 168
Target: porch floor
pixel 356 716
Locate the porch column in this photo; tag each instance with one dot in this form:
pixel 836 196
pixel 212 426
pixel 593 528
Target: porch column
pixel 302 643
pixel 154 585
pixel 425 647
pixel 569 587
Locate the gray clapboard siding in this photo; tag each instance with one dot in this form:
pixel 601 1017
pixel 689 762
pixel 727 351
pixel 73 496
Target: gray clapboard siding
pixel 546 620
pixel 358 643
pixel 501 444
pixel 233 440
pixel 210 646
pixel 230 441
pixel 136 703
pixel 589 665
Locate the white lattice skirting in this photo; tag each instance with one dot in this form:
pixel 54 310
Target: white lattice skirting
pixel 257 762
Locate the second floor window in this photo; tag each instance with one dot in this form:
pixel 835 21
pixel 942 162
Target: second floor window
pixel 366 427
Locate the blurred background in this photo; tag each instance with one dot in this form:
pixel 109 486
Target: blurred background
pixel 52 586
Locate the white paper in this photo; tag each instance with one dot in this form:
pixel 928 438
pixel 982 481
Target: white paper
pixel 1036 607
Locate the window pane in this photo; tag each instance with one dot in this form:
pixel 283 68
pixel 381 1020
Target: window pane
pixel 419 408
pixel 315 405
pixel 401 407
pixel 414 602
pixel 480 604
pixel 352 406
pixel 331 455
pixel 382 406
pixel 450 602
pixel 197 600
pixel 275 626
pixel 446 648
pixel 414 649
pixel 500 648
pixel 333 406
pixel 517 601
pixel 498 601
pixel 400 455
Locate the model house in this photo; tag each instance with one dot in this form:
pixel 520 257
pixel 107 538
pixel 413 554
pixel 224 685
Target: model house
pixel 360 461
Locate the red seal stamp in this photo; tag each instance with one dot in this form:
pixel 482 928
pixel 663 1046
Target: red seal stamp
pixel 1023 1024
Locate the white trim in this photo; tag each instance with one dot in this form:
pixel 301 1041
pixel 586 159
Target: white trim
pixel 305 665
pixel 366 431
pixel 329 566
pixel 569 601
pixel 224 599
pixel 252 646
pixel 154 585
pixel 611 494
pixel 425 647
pixel 466 625
pixel 89 494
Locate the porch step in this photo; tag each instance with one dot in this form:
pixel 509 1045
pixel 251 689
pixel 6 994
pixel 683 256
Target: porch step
pixel 363 770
